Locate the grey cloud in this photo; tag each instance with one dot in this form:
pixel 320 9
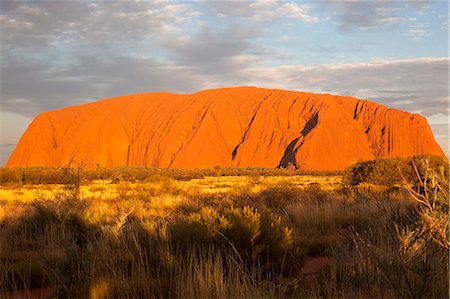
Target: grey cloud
pixel 368 15
pixel 441 132
pixel 238 9
pixel 30 89
pixel 46 23
pixel 210 48
pixel 6 151
pixel 56 54
pixel 415 85
pixel 263 10
pixel 90 59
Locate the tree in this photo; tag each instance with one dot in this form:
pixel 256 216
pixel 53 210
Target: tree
pixel 218 170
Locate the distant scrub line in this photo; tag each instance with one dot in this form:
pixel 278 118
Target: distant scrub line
pixel 53 175
pixel 384 172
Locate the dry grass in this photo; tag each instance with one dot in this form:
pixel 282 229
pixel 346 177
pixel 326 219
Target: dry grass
pixel 207 237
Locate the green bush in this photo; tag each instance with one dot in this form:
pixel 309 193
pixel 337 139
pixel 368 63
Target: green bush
pixel 255 236
pixel 393 171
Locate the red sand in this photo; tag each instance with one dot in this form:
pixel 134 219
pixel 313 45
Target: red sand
pixel 315 264
pixel 230 127
pixel 32 293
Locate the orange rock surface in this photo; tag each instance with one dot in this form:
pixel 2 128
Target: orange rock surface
pixel 230 127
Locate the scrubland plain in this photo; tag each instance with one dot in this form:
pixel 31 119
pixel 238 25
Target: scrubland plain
pixel 380 229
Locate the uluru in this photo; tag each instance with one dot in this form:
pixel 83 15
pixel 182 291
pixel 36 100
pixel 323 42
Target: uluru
pixel 230 127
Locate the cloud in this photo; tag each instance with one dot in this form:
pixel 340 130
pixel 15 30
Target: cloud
pixel 419 31
pixel 209 46
pixel 369 15
pixel 264 10
pixel 66 55
pixel 12 126
pixel 415 85
pixel 56 54
pixel 58 23
pixel 42 88
pixel 441 133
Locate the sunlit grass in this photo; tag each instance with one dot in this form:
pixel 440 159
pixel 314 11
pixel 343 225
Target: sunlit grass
pixel 105 189
pixel 232 236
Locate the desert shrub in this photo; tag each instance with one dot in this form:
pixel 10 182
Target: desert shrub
pixel 209 274
pixel 393 171
pixel 273 196
pixel 38 175
pixel 240 195
pixel 277 197
pixel 431 191
pixel 123 190
pixel 218 171
pixel 379 171
pixel 152 268
pixel 66 214
pixel 139 262
pixel 427 172
pixel 402 251
pixel 157 186
pixel 378 265
pixel 46 242
pixel 324 223
pixel 244 228
pixel 313 193
pixel 278 240
pixel 255 236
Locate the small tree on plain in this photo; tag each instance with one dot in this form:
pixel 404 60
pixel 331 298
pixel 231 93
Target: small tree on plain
pixel 218 170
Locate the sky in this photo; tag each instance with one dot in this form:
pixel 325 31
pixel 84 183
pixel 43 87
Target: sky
pixel 64 53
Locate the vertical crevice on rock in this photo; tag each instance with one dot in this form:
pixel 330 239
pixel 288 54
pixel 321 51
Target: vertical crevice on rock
pixel 289 155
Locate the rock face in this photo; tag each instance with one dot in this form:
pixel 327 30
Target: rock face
pixel 230 127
